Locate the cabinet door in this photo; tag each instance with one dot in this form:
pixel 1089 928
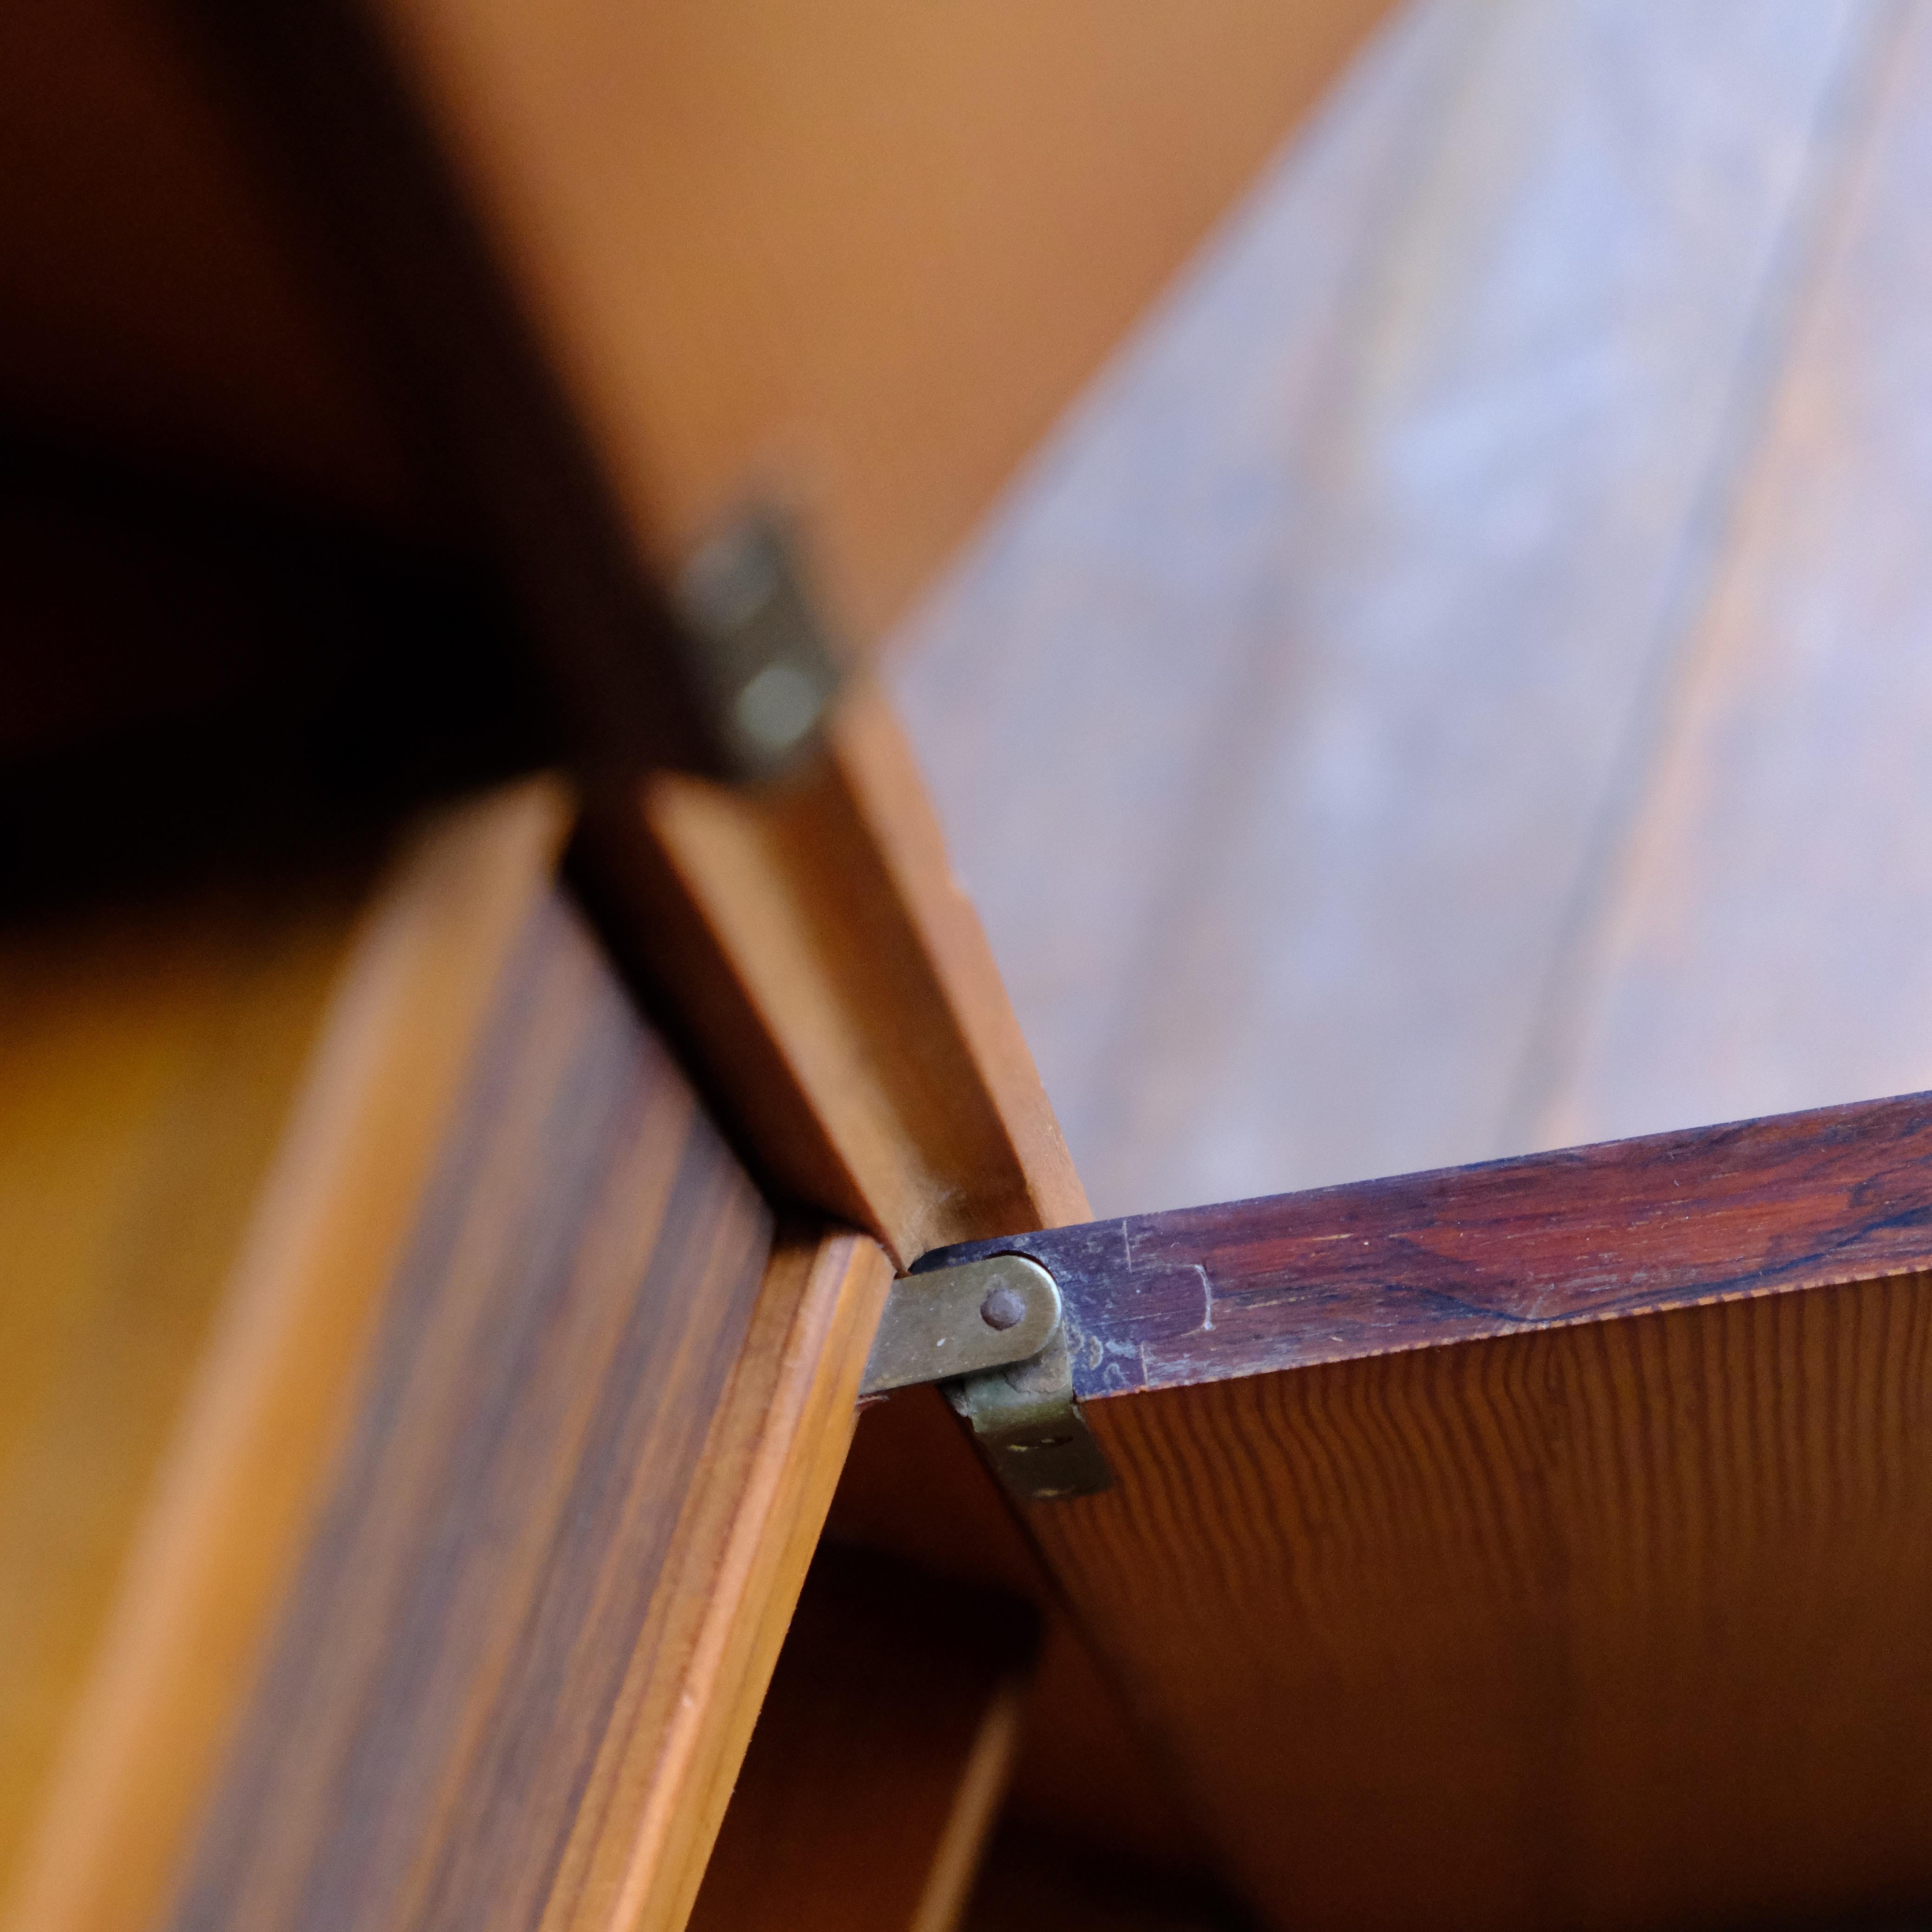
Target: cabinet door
pixel 419 1422
pixel 1542 1543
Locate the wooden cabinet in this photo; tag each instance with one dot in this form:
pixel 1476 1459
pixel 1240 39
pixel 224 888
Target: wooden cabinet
pixel 455 1206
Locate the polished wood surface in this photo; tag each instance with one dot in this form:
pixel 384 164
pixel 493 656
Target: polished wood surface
pixel 880 1759
pixel 1538 1543
pixel 1798 1201
pixel 1468 654
pixel 493 1482
pixel 449 1663
pixel 771 1462
pixel 835 984
pixel 224 1517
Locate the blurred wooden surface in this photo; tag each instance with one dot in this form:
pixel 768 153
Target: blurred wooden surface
pixel 545 295
pixel 862 254
pixel 147 1063
pixel 286 1304
pixel 857 257
pixel 1481 1567
pixel 453 1580
pixel 1454 685
pixel 880 1759
pixel 1763 939
pixel 915 1487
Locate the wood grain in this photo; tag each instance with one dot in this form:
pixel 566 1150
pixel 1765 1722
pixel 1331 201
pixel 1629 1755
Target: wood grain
pixel 1608 1626
pixel 1430 461
pixel 772 1462
pixel 880 1756
pixel 214 1539
pixel 580 1278
pixel 1798 1201
pixel 1756 941
pixel 835 986
pixel 495 1482
pixel 1540 1543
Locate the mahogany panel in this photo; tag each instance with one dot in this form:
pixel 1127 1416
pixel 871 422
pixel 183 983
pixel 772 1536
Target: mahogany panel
pixel 1544 1543
pixel 1836 1194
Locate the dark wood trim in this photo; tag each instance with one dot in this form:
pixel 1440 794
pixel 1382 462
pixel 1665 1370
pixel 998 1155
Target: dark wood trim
pixel 1836 1195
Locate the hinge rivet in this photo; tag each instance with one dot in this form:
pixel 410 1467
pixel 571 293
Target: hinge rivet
pixel 1004 1308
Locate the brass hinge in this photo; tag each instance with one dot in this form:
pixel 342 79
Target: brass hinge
pixel 991 1331
pixel 759 661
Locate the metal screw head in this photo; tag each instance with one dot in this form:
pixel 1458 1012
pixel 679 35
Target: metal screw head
pixel 1004 1307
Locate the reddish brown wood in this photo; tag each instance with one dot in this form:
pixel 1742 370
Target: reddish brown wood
pixel 1839 1194
pixel 1538 1544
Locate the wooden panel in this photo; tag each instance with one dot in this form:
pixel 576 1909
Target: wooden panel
pixel 863 256
pixel 582 1274
pixel 880 1758
pixel 229 1502
pixel 497 1480
pixel 1431 462
pixel 1541 1544
pixel 836 986
pixel 147 1062
pixel 864 253
pixel 1758 941
pixel 1839 1194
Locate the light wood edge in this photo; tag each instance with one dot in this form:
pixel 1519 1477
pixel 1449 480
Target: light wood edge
pixel 657 1797
pixel 212 1560
pixel 982 1788
pixel 986 1157
pixel 875 762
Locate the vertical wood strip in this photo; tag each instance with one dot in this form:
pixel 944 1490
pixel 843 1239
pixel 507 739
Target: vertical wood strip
pixel 839 990
pixel 234 1499
pixel 537 1410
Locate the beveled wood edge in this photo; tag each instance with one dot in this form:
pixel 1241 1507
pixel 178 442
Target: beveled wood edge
pixel 658 1795
pixel 215 1556
pixel 836 991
